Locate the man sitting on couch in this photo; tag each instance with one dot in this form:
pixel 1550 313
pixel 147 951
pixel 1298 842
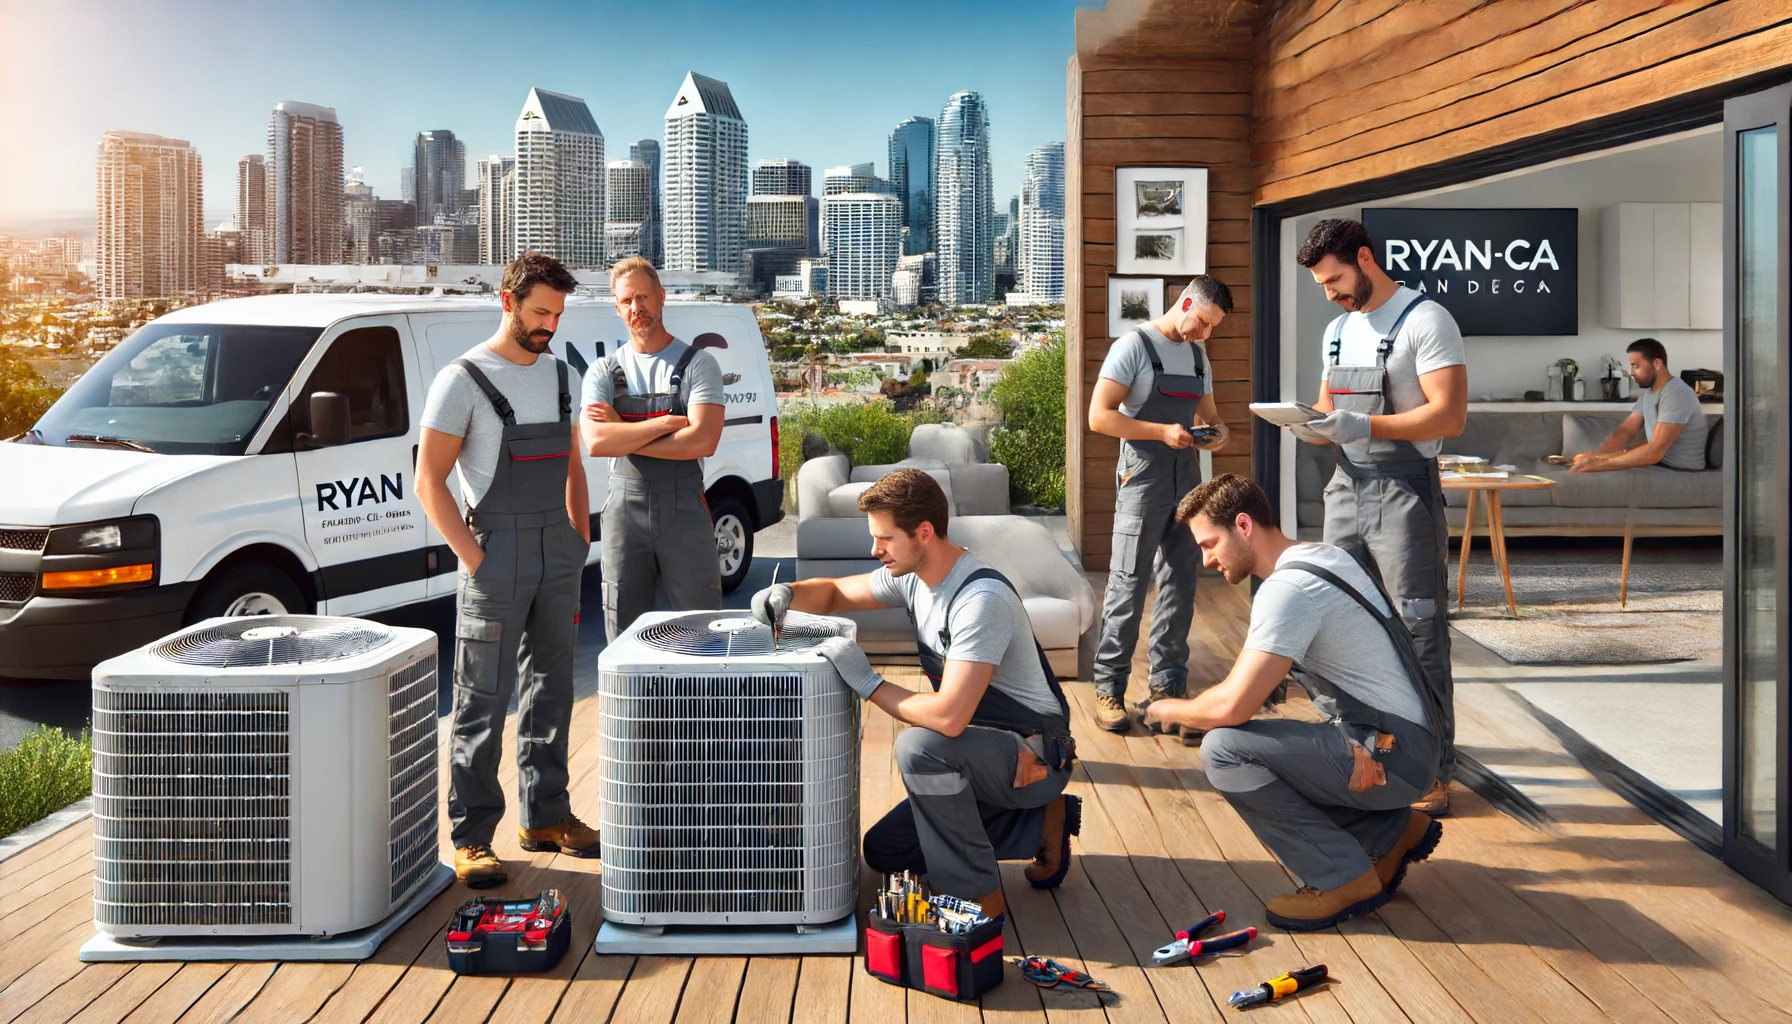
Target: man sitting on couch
pixel 1668 414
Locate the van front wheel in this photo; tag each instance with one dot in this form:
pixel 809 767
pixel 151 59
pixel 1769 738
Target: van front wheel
pixel 250 588
pixel 734 541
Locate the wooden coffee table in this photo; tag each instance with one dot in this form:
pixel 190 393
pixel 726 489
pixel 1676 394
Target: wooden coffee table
pixel 1489 491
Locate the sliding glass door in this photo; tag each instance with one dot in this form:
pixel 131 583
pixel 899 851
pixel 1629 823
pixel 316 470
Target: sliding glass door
pixel 1758 277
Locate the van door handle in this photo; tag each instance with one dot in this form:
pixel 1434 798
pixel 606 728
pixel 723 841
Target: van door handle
pixel 413 460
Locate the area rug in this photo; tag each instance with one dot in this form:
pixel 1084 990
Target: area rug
pixel 1569 612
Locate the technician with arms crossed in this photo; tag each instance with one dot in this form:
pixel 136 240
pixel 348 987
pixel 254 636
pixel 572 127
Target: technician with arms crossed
pixel 1328 798
pixel 1395 384
pixel 1155 388
pixel 503 415
pixel 989 753
pixel 656 408
pixel 1667 413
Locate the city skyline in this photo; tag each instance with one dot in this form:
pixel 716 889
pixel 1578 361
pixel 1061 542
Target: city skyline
pixel 1005 51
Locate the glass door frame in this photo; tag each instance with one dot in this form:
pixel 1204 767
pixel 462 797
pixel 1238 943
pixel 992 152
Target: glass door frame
pixel 1770 868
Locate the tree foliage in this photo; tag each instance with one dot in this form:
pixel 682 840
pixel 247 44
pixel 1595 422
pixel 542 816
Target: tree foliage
pixel 991 345
pixel 24 394
pixel 1030 439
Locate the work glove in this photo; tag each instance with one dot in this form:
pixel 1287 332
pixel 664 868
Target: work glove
pixel 849 660
pixel 1342 426
pixel 771 604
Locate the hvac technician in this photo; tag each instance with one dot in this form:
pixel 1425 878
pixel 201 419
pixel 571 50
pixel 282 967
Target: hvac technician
pixel 1328 798
pixel 986 762
pixel 1155 386
pixel 1667 412
pixel 1394 385
pixel 654 406
pixel 503 416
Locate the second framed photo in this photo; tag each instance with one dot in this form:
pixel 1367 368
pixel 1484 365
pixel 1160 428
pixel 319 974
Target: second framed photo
pixel 1160 220
pixel 1132 301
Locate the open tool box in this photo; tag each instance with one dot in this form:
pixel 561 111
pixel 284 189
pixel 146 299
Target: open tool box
pixel 905 946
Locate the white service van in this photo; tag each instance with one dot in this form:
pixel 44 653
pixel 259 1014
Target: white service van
pixel 182 477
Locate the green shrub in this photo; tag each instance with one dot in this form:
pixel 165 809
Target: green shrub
pixel 47 771
pixel 24 395
pixel 1030 439
pixel 868 433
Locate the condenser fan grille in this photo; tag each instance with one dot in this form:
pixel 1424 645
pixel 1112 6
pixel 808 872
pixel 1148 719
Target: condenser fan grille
pixel 269 640
pixel 705 635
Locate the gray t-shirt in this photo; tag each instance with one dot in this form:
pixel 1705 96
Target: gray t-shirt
pixel 1129 363
pixel 1428 340
pixel 457 406
pixel 651 374
pixel 1676 402
pixel 1298 615
pixel 989 626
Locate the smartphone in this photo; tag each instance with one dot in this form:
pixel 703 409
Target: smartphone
pixel 1558 460
pixel 1204 434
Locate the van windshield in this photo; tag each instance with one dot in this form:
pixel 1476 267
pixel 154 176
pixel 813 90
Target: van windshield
pixel 180 389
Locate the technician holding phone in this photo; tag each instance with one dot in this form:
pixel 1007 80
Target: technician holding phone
pixel 1155 394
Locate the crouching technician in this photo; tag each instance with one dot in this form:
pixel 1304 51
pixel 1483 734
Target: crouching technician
pixel 503 415
pixel 990 751
pixel 1331 798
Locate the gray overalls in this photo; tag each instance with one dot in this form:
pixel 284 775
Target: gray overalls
pixel 656 522
pixel 1388 498
pixel 1290 780
pixel 518 616
pixel 963 814
pixel 1151 480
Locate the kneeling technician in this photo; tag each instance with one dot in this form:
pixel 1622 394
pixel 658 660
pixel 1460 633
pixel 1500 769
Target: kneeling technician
pixel 1330 799
pixel 989 751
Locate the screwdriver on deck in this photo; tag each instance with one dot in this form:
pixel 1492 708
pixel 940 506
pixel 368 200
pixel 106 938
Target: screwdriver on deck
pixel 1280 986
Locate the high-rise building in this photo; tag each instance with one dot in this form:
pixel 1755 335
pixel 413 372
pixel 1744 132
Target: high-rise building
pixel 782 178
pixel 494 213
pixel 781 222
pixel 628 202
pixel 652 248
pixel 559 204
pixel 1006 229
pixel 706 177
pixel 395 232
pixel 852 178
pixel 911 175
pixel 964 202
pixel 915 281
pixel 224 245
pixel 252 206
pixel 304 174
pixel 439 168
pixel 448 242
pixel 864 241
pixel 360 209
pixel 149 228
pixel 1040 255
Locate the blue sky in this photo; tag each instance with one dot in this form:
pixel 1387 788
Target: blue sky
pixel 820 82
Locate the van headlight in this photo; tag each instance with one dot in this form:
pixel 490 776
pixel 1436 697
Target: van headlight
pixel 99 538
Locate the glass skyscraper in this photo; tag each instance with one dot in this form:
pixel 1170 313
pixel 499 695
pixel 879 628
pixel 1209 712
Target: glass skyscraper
pixel 911 174
pixel 964 198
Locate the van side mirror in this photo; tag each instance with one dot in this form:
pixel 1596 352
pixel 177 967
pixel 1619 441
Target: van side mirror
pixel 329 420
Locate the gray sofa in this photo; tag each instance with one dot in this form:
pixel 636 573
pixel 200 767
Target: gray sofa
pixel 1664 502
pixel 834 539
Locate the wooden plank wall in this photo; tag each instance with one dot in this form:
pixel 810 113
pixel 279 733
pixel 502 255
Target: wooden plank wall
pixel 1349 91
pixel 1152 109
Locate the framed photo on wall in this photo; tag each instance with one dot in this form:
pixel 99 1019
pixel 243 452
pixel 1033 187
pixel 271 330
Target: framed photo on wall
pixel 1132 301
pixel 1160 220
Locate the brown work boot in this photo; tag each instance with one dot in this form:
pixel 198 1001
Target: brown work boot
pixel 1191 736
pixel 1110 714
pixel 1161 728
pixel 1311 909
pixel 569 835
pixel 1063 819
pixel 479 867
pixel 994 905
pixel 1435 802
pixel 1414 845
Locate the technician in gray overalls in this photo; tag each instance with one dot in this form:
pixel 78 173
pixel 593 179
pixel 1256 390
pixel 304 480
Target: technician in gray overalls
pixel 1154 391
pixel 502 414
pixel 1331 799
pixel 1395 385
pixel 656 408
pixel 989 754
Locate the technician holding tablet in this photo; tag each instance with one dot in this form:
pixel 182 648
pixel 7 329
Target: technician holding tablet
pixel 1394 385
pixel 1155 386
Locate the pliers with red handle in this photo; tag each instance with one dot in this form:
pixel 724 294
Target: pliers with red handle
pixel 1187 946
